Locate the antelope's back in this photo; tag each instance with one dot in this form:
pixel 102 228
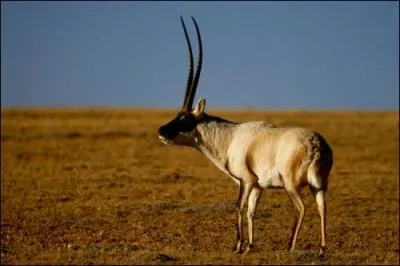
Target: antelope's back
pixel 283 147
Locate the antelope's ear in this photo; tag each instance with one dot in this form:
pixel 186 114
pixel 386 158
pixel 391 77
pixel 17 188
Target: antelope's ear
pixel 200 106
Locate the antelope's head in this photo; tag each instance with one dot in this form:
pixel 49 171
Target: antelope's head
pixel 181 129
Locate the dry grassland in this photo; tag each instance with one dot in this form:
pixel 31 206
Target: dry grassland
pixel 95 186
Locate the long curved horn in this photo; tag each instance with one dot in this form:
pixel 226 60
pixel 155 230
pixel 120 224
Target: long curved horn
pixel 190 75
pixel 195 82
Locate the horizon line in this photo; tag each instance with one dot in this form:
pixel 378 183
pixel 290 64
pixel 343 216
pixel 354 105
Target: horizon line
pixel 168 108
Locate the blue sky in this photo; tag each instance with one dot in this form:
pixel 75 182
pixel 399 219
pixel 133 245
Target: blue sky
pixel 268 55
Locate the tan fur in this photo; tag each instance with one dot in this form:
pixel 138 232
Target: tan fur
pixel 258 155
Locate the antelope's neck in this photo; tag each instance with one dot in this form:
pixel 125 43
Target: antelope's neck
pixel 213 139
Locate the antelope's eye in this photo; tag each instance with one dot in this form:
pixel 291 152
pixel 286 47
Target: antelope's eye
pixel 184 119
pixel 187 123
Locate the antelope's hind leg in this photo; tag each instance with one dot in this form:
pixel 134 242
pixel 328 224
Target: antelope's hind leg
pixel 299 205
pixel 319 196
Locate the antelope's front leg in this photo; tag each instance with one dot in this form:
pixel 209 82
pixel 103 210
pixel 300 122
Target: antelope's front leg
pixel 244 192
pixel 254 197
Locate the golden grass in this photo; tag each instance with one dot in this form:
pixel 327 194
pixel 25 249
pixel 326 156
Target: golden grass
pixel 83 186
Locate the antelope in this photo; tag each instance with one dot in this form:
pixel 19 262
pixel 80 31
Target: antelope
pixel 257 155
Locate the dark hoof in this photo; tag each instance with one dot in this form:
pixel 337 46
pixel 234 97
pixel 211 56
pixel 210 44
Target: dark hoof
pixel 238 248
pixel 249 247
pixel 322 252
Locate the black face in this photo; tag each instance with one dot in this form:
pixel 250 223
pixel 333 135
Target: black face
pixel 183 122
